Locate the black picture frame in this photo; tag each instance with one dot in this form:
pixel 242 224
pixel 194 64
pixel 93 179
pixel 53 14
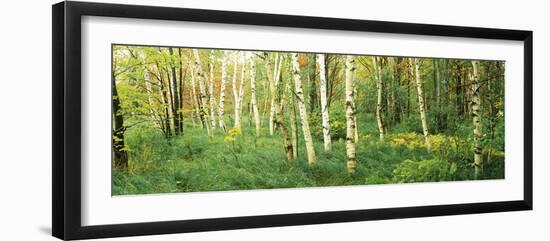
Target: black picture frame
pixel 66 128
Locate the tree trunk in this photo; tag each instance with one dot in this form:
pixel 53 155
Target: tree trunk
pixel 202 88
pixel 476 114
pixel 324 108
pixel 253 101
pixel 222 92
pixel 350 116
pixel 274 83
pixel 181 93
pixel 250 112
pixel 290 152
pixel 212 100
pixel 377 71
pixel 445 100
pixel 196 103
pixel 239 103
pixel 312 85
pixel 175 97
pixel 170 100
pixel 437 80
pixel 421 103
pixel 165 102
pixel 391 89
pixel 193 105
pixel 293 129
pixel 396 73
pixel 119 147
pixel 311 157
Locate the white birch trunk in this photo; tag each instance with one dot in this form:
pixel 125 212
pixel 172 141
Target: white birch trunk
pixel 290 152
pixel 221 104
pixel 202 88
pixel 196 104
pixel 350 116
pixel 239 103
pixel 324 107
pixel 274 82
pixel 212 100
pixel 421 103
pixel 311 157
pixel 293 138
pixel 476 114
pixel 253 100
pixel 378 76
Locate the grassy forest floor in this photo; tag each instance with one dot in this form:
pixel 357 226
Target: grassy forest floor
pixel 192 162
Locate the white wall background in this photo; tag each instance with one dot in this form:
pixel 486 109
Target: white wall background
pixel 25 119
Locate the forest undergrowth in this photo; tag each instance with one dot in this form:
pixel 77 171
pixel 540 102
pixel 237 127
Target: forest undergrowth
pixel 193 162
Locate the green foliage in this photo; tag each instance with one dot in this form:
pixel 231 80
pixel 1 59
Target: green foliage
pixel 425 170
pixel 337 124
pixel 237 161
pixel 162 159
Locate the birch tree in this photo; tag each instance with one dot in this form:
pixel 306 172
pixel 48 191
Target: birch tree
pixel 211 91
pixel 324 107
pixel 194 99
pixel 253 100
pixel 378 77
pixel 292 114
pixel 202 88
pixel 290 152
pixel 221 104
pixel 175 95
pixel 311 157
pixel 421 105
pixel 165 100
pixel 476 114
pixel 350 116
pixel 238 103
pixel 274 83
pixel 193 105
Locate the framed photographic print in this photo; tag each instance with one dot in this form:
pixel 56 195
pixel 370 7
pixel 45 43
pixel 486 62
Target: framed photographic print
pixel 170 120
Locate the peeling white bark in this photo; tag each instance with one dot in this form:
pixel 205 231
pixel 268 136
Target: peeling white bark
pixel 350 116
pixel 221 104
pixel 202 88
pixel 378 76
pixel 239 103
pixel 194 98
pixel 253 100
pixel 311 157
pixel 274 83
pixel 324 105
pixel 212 100
pixel 421 103
pixel 476 114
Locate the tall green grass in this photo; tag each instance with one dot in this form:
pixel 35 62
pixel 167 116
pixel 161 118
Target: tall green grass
pixel 193 162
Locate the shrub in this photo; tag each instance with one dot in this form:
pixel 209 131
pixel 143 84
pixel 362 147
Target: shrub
pixel 431 170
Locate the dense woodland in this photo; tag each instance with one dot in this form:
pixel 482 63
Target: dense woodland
pixel 189 120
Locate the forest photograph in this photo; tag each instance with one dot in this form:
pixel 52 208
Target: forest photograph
pixel 195 119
